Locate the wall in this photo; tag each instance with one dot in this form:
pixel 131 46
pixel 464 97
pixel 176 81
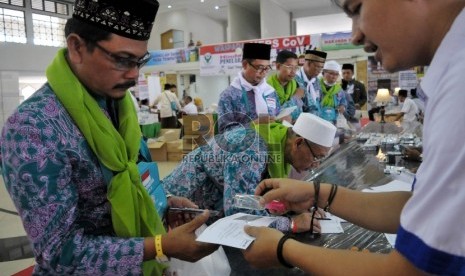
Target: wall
pixel 274 20
pixel 243 23
pixel 210 88
pixel 25 57
pixel 189 22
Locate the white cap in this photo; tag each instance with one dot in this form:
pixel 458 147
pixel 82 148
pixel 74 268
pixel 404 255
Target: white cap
pixel 315 129
pixel 332 65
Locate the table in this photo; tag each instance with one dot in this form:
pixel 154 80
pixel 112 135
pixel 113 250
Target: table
pixel 150 130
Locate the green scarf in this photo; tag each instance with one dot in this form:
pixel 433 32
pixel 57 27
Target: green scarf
pixel 283 96
pixel 275 136
pixel 328 95
pixel 133 213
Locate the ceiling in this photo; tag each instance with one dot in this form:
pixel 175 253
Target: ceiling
pixel 298 8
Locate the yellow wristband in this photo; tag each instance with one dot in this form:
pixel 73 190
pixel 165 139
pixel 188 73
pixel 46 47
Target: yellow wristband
pixel 160 256
pixel 158 248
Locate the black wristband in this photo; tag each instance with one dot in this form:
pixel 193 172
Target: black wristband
pixel 279 250
pixel 331 196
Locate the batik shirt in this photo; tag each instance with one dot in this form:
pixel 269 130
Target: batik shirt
pixel 231 163
pixel 309 104
pixel 59 189
pixel 236 108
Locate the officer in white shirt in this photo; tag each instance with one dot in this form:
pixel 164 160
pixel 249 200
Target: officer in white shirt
pixel 409 109
pixel 189 107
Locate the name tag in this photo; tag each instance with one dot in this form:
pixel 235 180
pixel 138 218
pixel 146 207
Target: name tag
pixel 271 102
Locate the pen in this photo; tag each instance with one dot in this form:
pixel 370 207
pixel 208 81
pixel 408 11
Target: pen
pixel 323 218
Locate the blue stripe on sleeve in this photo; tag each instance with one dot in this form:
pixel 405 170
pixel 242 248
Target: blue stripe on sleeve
pixel 427 258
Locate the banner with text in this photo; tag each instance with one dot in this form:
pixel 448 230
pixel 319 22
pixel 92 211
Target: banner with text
pixel 173 56
pixel 226 58
pixel 337 41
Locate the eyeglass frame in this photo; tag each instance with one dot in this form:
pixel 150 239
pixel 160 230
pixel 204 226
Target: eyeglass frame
pixel 120 61
pixel 315 159
pixel 260 70
pixel 290 67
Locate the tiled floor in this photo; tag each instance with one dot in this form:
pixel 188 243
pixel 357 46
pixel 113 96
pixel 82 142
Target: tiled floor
pixel 15 251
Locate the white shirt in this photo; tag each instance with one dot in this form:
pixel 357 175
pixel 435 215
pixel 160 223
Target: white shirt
pixel 432 232
pixel 410 110
pixel 190 108
pixel 164 103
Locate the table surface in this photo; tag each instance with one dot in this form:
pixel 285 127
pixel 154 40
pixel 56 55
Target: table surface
pixel 349 166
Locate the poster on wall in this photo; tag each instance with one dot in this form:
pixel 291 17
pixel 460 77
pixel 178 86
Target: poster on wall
pixel 408 79
pixel 225 59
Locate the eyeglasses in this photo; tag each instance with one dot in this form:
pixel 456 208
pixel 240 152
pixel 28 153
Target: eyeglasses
pixel 334 74
pixel 291 68
pixel 125 63
pixel 315 158
pixel 260 69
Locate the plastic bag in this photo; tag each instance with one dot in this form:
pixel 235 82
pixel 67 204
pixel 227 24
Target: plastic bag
pixel 215 264
pixel 341 122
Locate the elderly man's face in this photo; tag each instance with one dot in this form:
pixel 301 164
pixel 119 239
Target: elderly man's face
pixel 330 76
pixel 306 155
pixel 313 68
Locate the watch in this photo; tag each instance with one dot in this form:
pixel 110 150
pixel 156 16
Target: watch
pixel 160 256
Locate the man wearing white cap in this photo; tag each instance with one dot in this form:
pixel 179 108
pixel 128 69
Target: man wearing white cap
pixel 333 100
pixel 236 161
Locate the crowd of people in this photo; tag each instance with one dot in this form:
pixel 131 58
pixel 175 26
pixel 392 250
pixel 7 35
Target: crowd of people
pixel 70 152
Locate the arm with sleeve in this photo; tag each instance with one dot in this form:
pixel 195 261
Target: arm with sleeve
pixel 59 190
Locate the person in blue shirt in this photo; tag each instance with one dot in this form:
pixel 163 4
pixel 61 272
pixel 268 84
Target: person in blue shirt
pixel 249 97
pixel 307 79
pixel 287 88
pixel 333 99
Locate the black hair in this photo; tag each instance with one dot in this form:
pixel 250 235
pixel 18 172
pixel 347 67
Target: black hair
pixel 284 55
pixel 173 86
pixel 167 86
pixel 91 34
pixel 188 98
pixel 403 93
pixel 413 93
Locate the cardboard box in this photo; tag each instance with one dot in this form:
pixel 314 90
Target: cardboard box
pixel 174 146
pixel 170 134
pixel 186 148
pixel 175 156
pixel 200 124
pixel 158 151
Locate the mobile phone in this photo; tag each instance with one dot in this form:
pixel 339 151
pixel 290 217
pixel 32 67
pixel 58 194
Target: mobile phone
pixel 178 216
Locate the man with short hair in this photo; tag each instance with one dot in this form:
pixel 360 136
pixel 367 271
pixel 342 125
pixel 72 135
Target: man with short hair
pixel 236 161
pixel 70 151
pixel 306 77
pixel 429 220
pixel 284 83
pixel 408 113
pixel 189 106
pixel 249 97
pixel 353 87
pixel 169 106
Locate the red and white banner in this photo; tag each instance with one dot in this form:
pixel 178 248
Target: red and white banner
pixel 226 58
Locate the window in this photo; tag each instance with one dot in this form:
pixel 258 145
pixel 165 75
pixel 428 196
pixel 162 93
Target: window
pixel 50 6
pixel 12 26
pixel 19 3
pixel 48 30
